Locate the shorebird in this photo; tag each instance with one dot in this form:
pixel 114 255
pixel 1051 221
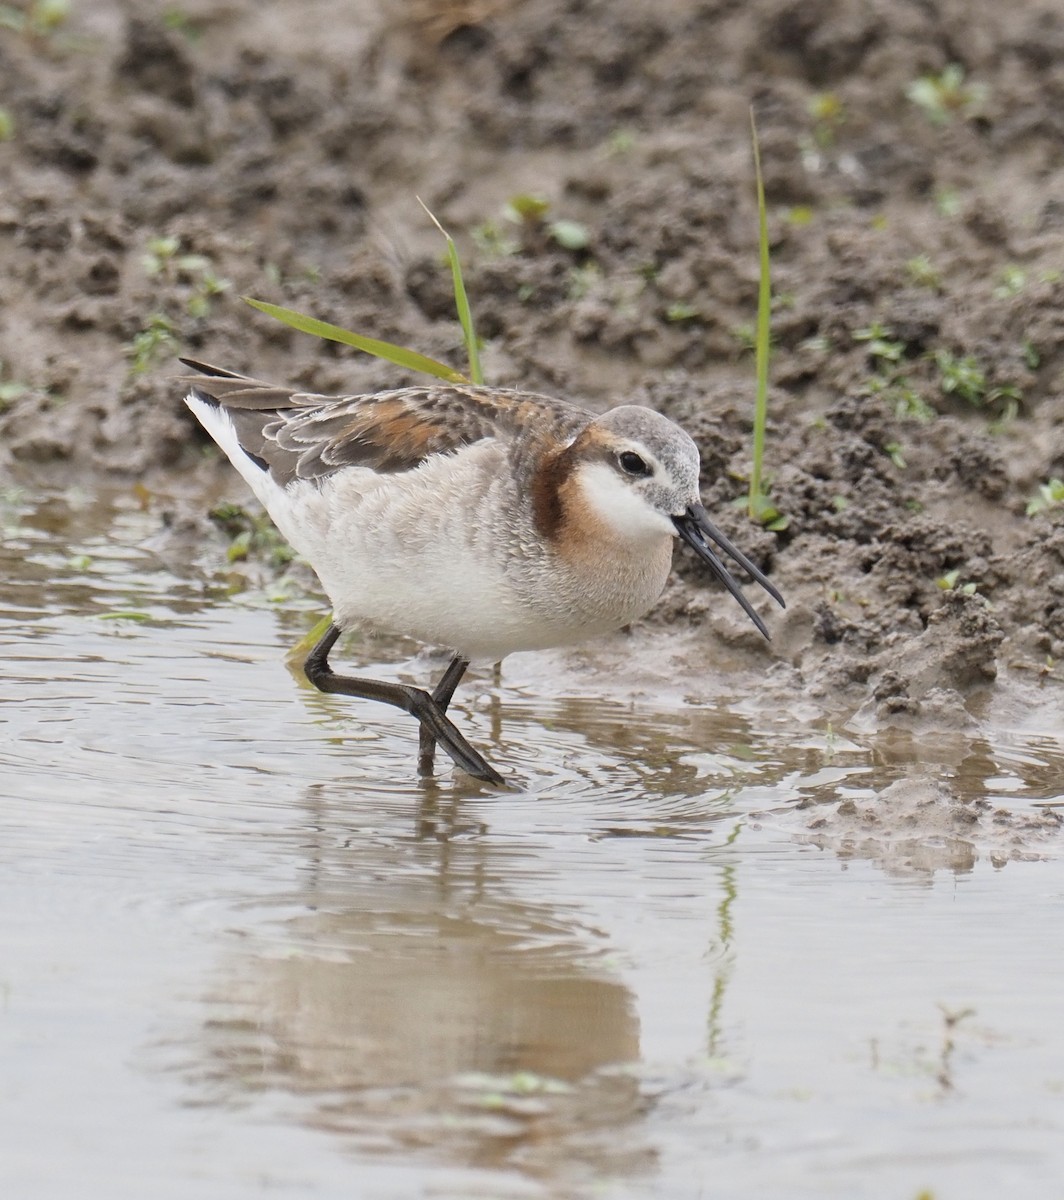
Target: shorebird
pixel 478 519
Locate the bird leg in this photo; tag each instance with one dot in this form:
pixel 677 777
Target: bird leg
pixel 435 725
pixel 441 697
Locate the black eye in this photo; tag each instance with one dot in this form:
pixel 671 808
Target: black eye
pixel 632 464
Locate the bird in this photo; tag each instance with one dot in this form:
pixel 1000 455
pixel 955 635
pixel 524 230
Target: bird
pixel 478 519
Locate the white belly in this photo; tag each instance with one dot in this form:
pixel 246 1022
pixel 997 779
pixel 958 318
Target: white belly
pixel 441 554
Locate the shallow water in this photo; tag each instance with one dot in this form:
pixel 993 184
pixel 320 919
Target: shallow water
pixel 243 952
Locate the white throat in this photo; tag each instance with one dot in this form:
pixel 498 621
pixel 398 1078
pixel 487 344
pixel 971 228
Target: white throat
pixel 619 506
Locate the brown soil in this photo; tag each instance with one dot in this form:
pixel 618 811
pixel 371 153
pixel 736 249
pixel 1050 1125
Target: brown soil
pixel 283 146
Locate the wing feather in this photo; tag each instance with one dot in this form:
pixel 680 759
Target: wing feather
pixel 299 435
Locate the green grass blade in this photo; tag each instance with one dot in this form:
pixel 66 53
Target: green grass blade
pixel 333 333
pixel 764 311
pixel 461 300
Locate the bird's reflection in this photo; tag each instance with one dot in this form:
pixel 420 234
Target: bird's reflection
pixel 408 1000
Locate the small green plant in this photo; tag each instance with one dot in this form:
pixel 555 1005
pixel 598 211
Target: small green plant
pixel 1049 495
pixel 759 506
pixel 10 389
pixel 924 273
pixel 491 241
pixel 251 536
pixel 680 311
pixel 526 209
pixel 1013 280
pixel 946 95
pixel 961 376
pixel 164 259
pixel 745 335
pixel 41 19
pixel 950 582
pixel 179 21
pixel 880 343
pixel 829 115
pixel 908 403
pixel 530 212
pixel 619 143
pixel 965 377
pixel 799 215
pixel 888 380
pixel 156 337
pixel 948 202
pixel 7 125
pixel 893 451
pixel 461 302
pixel 583 278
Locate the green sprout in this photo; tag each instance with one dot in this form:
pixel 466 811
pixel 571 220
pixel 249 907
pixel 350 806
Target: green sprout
pixel 251 536
pixel 924 273
pixel 10 389
pixel 948 202
pixel 1013 280
pixel 583 278
pixel 164 259
pixel 680 311
pixel 799 215
pixel 888 381
pixel 153 339
pixel 526 209
pixel 179 21
pixel 964 376
pixel 758 504
pixel 745 334
pixel 1049 495
pixel 828 115
pixel 619 143
pixel 41 19
pixel 7 125
pixel 530 212
pixel 946 95
pixel 461 302
pixel 908 403
pixel 492 241
pixel 949 583
pixel 961 376
pixel 881 343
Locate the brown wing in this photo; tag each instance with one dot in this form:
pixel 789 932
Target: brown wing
pixel 298 435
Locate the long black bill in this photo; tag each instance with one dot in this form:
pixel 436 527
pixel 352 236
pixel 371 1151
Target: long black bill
pixel 695 528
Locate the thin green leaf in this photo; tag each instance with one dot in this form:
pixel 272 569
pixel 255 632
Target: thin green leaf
pixel 461 300
pixel 392 353
pixel 308 641
pixel 764 307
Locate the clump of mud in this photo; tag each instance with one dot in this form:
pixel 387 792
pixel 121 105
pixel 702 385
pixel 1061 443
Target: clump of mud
pixel 918 826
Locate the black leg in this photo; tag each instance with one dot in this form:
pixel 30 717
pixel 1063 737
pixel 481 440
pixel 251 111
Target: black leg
pixel 415 701
pixel 441 697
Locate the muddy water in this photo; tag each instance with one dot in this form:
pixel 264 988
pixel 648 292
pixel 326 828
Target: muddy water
pixel 243 953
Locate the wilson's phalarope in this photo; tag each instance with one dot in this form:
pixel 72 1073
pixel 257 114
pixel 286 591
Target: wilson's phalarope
pixel 478 519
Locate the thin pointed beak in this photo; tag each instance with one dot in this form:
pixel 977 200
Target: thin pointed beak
pixel 698 531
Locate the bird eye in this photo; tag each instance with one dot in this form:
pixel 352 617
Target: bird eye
pixel 632 464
